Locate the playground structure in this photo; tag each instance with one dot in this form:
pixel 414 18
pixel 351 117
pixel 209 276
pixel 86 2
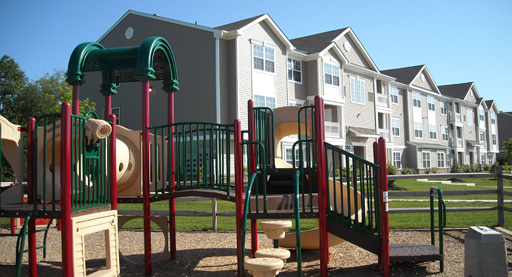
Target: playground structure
pixel 81 179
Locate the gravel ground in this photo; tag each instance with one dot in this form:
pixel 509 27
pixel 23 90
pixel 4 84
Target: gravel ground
pixel 214 254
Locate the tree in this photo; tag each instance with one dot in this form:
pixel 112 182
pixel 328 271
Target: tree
pixel 507 146
pixel 12 81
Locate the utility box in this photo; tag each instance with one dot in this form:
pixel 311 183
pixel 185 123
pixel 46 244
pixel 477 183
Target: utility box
pixel 484 253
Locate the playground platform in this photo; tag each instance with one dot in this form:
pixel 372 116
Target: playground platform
pixel 212 254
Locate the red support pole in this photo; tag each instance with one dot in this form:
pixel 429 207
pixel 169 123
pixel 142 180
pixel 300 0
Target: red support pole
pixel 322 186
pixel 239 175
pixel 108 106
pixel 113 162
pixel 145 178
pixel 384 206
pixel 32 226
pixel 252 169
pixel 65 192
pixel 172 201
pixel 76 99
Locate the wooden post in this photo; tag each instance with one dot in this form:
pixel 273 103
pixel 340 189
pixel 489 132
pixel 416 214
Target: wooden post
pixel 501 211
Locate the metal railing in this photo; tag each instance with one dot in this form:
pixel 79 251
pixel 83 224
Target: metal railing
pixel 203 153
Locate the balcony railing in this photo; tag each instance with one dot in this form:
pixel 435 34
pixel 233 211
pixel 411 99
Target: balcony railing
pixel 459 142
pixel 385 134
pixel 382 100
pixel 333 130
pixel 454 117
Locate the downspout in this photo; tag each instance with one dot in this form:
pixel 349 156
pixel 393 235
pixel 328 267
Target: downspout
pixel 217 79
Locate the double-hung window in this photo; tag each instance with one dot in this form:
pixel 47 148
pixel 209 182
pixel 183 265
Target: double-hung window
pixel 493 118
pixel 357 90
pixel 416 99
pixel 397 161
pixel 482 114
pixel 263 58
pixel 294 70
pixel 394 95
pixel 443 107
pixel 440 159
pixel 395 126
pixel 432 131
pixel 444 133
pixel 431 102
pixel 493 139
pixel 470 117
pixel 418 130
pixel 264 101
pixel 332 74
pixel 426 159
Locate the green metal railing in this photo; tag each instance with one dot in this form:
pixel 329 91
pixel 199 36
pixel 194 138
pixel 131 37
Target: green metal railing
pixel 353 191
pixel 90 182
pixel 436 192
pixel 202 156
pixel 264 133
pixel 260 148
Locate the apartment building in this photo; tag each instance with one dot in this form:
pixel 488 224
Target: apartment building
pixel 221 68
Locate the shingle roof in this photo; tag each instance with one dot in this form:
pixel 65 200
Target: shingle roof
pixel 456 90
pixel 316 43
pixel 403 75
pixel 239 24
pixel 489 103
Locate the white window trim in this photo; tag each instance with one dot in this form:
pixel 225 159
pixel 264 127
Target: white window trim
pixel 470 119
pixel 393 158
pixel 287 69
pixel 359 79
pixel 421 129
pixel 393 119
pixel 429 104
pixel 444 159
pixel 264 45
pixel 332 63
pixel 413 99
pixel 445 127
pixel 441 104
pixel 391 94
pixel 296 102
pixel 430 131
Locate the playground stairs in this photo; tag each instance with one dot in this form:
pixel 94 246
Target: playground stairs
pixel 268 262
pixel 281 181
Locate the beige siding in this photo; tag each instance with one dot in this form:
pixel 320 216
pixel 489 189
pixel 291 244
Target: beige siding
pixel 398 112
pixel 196 72
pixel 311 77
pixel 426 83
pixel 225 56
pixel 471 97
pixel 354 55
pixel 298 90
pixel 359 115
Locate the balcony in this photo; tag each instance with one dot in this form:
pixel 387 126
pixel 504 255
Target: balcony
pixel 454 118
pixel 459 143
pixel 382 100
pixel 333 130
pixel 385 134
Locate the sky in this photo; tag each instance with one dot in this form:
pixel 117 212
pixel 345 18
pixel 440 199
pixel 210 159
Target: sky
pixel 459 41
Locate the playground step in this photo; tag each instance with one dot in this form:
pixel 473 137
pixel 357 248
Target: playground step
pixel 275 229
pixel 414 253
pixel 281 181
pixel 264 267
pixel 284 203
pixel 279 253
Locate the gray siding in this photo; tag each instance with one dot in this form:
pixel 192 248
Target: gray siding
pixel 312 77
pixel 426 84
pixel 359 115
pixel 354 56
pixel 299 90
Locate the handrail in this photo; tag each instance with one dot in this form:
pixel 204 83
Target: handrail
pixel 298 246
pixel 264 119
pixel 436 192
pixel 264 179
pixel 244 220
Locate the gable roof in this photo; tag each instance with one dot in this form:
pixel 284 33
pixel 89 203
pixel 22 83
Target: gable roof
pixel 404 75
pixel 456 90
pixel 316 43
pixel 238 24
pixel 490 104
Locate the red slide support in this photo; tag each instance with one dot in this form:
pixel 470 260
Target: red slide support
pixel 383 179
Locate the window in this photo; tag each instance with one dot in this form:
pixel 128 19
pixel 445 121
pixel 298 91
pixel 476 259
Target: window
pixel 426 159
pixel 416 99
pixel 332 74
pixel 117 112
pixel 431 102
pixel 493 139
pixel 397 161
pixel 263 58
pixel 295 102
pixel 295 70
pixel 490 158
pixel 443 107
pixel 264 101
pixel 289 155
pixel 395 126
pixel 493 118
pixel 482 114
pixel 432 131
pixel 444 133
pixel 418 130
pixel 482 137
pixel 394 95
pixel 440 159
pixel 469 117
pixel 356 90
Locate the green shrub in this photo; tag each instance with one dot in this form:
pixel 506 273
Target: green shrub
pixel 391 169
pixel 487 167
pixel 431 170
pixel 456 168
pixel 407 170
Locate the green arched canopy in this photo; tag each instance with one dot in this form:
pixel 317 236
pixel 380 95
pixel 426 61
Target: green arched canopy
pixel 152 60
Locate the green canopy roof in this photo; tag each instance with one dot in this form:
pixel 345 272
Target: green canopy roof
pixel 152 60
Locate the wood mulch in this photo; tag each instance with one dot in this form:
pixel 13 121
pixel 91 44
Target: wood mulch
pixel 214 254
